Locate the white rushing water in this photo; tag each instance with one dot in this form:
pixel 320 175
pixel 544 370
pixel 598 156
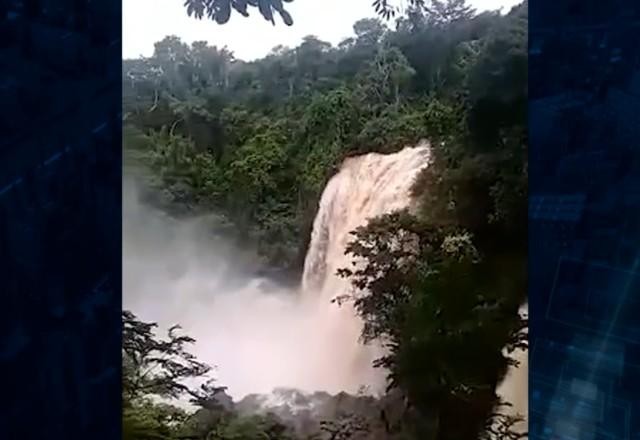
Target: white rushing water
pixel 262 336
pixel 365 187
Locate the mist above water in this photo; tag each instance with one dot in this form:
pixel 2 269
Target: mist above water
pixel 257 334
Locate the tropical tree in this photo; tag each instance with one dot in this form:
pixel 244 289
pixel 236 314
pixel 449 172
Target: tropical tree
pixel 429 295
pixel 153 366
pixel 257 141
pixel 158 371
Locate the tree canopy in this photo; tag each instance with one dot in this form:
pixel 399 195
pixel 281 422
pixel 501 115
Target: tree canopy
pixel 257 141
pixel 220 11
pixel 202 119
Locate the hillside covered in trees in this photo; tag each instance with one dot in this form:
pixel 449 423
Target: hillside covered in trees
pixel 257 141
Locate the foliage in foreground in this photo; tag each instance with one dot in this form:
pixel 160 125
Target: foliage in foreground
pixel 259 140
pixel 445 311
pixel 148 412
pixel 220 11
pixel 158 372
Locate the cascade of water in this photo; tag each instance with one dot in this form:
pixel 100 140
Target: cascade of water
pixel 365 187
pixel 262 338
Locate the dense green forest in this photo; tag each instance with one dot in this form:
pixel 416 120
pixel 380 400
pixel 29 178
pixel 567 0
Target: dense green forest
pixel 257 141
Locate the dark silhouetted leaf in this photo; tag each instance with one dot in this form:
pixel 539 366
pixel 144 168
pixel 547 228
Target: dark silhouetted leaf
pixel 286 17
pixel 223 13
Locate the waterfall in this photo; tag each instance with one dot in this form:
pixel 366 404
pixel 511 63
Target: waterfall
pixel 368 186
pixel 260 335
pixel 365 187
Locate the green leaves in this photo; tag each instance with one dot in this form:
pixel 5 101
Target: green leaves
pixel 257 141
pixel 385 77
pixel 384 90
pixel 220 10
pixel 443 12
pixel 156 367
pixel 388 9
pixel 256 165
pixel 445 312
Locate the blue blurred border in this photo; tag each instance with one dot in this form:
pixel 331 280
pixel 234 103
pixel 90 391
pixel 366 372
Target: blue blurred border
pixel 60 219
pixel 584 219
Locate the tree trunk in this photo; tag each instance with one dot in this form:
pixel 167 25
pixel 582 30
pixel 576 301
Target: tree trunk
pixel 290 88
pixel 397 94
